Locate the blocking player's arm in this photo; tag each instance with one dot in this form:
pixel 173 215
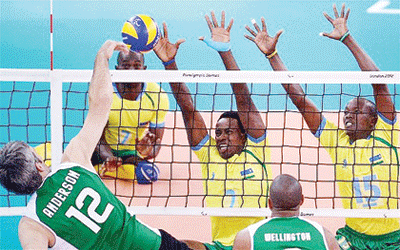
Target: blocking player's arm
pixel 248 113
pixel 195 126
pixel 311 114
pixel 33 235
pixel 341 32
pixel 81 147
pixel 331 241
pixel 267 45
pixel 382 96
pixel 383 101
pixel 242 240
pixel 247 110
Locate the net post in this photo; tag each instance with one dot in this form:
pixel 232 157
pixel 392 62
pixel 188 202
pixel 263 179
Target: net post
pixel 56 116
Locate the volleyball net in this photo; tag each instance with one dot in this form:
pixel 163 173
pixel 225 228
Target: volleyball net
pixel 39 106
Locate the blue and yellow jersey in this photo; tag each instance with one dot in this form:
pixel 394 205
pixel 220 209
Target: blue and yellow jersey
pixel 129 120
pixel 367 172
pixel 240 181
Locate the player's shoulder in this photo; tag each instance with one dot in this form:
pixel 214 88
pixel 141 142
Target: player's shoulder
pixel 70 166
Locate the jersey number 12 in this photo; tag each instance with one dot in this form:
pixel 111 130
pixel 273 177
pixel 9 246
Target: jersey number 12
pixel 94 218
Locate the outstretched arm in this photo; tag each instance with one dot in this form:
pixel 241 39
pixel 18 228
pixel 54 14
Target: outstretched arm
pixel 248 113
pixel 195 126
pixel 383 101
pixel 341 32
pixel 81 147
pixel 267 45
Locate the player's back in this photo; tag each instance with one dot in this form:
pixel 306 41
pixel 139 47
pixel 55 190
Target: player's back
pixel 75 204
pixel 287 233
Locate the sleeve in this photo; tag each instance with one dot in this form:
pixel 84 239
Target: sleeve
pixel 388 130
pixel 329 136
pixel 161 108
pixel 260 147
pixel 205 148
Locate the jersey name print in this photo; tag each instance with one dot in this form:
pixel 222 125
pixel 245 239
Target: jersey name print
pixel 82 213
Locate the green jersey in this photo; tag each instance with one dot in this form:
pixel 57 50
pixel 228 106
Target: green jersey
pixel 286 233
pixel 82 213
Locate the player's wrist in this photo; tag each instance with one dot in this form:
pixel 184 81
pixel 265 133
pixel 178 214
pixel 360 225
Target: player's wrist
pixel 272 54
pixel 169 62
pixel 345 35
pixel 218 46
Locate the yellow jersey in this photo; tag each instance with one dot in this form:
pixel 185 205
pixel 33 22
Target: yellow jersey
pixel 240 181
pixel 367 172
pixel 129 120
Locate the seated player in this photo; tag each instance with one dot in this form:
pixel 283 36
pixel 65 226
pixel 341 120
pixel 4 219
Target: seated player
pixel 135 127
pixel 285 229
pixel 364 152
pixel 232 163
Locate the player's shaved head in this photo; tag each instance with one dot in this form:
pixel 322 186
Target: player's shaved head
pixel 285 193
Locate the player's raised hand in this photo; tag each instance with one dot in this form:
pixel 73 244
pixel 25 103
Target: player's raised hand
pixel 108 48
pixel 164 49
pixel 265 43
pixel 339 23
pixel 218 31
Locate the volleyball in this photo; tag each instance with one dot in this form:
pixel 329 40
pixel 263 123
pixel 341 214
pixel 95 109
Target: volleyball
pixel 140 33
pixel 146 172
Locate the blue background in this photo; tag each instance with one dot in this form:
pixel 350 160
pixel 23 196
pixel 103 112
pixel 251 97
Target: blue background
pixel 81 27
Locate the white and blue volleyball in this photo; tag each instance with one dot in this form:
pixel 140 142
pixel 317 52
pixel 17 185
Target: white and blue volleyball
pixel 146 172
pixel 141 33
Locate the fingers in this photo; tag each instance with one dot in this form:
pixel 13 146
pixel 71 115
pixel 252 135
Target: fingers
pixel 335 11
pixel 256 25
pixel 229 25
pixel 210 26
pixel 179 42
pixel 213 23
pixel 325 34
pixel 250 30
pixel 214 19
pixel 223 19
pixel 342 11
pixel 278 34
pixel 347 14
pixel 249 37
pixel 328 17
pixel 264 26
pixel 165 30
pixel 110 46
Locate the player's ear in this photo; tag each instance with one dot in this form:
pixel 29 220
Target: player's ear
pixel 40 166
pixel 302 200
pixel 269 203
